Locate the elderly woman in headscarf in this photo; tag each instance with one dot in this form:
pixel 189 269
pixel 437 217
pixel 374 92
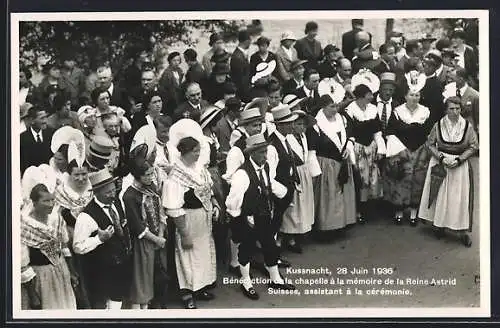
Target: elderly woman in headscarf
pixel 47 273
pixel 448 198
pixel 87 115
pixel 190 202
pixel 369 146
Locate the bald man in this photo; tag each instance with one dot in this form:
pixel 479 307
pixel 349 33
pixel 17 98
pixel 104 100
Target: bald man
pixel 194 105
pixel 119 97
pixel 365 56
pixel 344 71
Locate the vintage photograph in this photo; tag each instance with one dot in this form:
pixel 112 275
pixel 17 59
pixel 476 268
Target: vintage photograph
pixel 286 164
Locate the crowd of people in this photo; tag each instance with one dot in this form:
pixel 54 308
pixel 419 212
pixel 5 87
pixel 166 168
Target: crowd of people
pixel 138 189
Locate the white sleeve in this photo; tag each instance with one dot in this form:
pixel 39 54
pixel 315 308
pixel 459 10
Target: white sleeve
pixel 173 198
pixel 278 189
pixel 239 185
pixel 82 241
pixel 313 164
pixel 234 160
pixel 126 126
pixel 27 272
pixel 272 160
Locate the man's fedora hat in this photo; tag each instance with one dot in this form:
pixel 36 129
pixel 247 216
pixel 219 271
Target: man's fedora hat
pixel 255 142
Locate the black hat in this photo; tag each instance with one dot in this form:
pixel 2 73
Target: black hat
pixel 233 103
pixel 172 55
pixel 331 48
pixel 449 52
pixel 443 43
pixel 458 33
pixel 214 38
pixel 220 68
pixel 220 57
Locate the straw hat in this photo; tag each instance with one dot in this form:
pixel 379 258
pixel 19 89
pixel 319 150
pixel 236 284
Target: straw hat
pixel 288 35
pixel 210 114
pixel 255 142
pixel 101 147
pixel 388 77
pixel 283 114
pixel 250 115
pixel 292 100
pixel 101 178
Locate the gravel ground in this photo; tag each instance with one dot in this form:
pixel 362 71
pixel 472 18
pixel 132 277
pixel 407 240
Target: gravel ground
pixel 411 252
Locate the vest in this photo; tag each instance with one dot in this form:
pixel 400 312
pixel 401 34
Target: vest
pixel 255 202
pixel 284 173
pixel 115 250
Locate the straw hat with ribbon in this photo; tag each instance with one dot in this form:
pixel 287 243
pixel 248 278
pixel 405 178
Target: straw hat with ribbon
pixel 101 178
pixel 101 147
pixel 264 69
pixel 255 142
pixel 292 100
pixel 283 114
pixel 210 115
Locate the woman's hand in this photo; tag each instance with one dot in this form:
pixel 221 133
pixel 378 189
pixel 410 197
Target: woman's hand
pixel 75 280
pixel 215 212
pixel 160 242
pixel 345 154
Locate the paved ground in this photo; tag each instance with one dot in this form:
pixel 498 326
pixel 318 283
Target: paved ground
pixel 410 251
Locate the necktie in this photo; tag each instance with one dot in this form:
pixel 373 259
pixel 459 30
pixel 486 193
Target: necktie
pixel 295 173
pixel 116 220
pixel 459 94
pixel 38 138
pixel 265 189
pixel 383 118
pixel 165 151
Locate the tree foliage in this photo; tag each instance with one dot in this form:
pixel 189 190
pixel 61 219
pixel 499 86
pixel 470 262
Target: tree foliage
pixel 110 40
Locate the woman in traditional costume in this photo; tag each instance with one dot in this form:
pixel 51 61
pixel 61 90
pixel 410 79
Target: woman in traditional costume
pixel 299 218
pixel 189 201
pixel 147 227
pixel 369 146
pixel 334 192
pixel 407 155
pixel 47 274
pixel 448 197
pixel 71 196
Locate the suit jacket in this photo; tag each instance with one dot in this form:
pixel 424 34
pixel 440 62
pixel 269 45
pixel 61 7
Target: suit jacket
pixel 349 43
pixel 120 98
pixel 311 104
pixel 33 154
pixel 394 104
pixel 365 59
pixel 383 67
pixel 312 52
pixel 168 103
pixel 196 73
pixel 326 69
pixel 223 132
pixel 432 98
pixel 256 59
pixel 284 63
pixel 470 106
pixel 240 74
pixel 185 110
pixel 289 87
pixel 471 62
pixel 444 75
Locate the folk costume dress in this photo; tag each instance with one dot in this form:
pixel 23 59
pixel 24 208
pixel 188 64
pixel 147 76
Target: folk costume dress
pixel 334 192
pixel 368 144
pixel 407 156
pixel 453 205
pixel 43 252
pixel 70 203
pixel 299 218
pixel 144 213
pixel 188 192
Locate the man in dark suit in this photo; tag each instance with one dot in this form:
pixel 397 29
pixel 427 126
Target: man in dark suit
pixel 328 68
pixel 196 72
pixel 384 99
pixel 310 91
pixel 365 56
pixel 194 105
pixel 467 56
pixel 240 66
pixel 349 38
pixel 35 141
pixel 149 84
pixel 119 96
pixel 227 124
pixel 308 48
pixel 387 59
pixel 469 98
pixel 442 72
pixel 431 94
pixel 297 80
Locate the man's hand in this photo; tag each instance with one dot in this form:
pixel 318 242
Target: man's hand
pixel 104 235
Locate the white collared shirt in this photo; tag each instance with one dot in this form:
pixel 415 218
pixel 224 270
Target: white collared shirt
pixel 245 52
pixel 195 106
pixel 380 107
pixel 85 225
pixel 309 93
pixel 300 83
pixel 439 70
pixel 39 133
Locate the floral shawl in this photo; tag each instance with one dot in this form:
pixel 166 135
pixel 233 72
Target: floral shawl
pixel 202 186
